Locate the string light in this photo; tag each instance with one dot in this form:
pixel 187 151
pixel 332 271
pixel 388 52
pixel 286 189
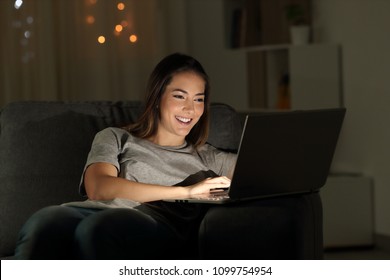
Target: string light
pixel 101 39
pixel 120 6
pixel 124 28
pixel 133 38
pixel 18 4
pixel 118 28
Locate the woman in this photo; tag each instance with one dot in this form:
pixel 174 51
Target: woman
pixel 131 170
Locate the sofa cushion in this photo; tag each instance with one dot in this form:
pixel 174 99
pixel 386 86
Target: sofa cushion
pixel 225 127
pixel 44 146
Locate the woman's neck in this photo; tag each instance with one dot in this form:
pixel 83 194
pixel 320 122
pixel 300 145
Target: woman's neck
pixel 167 141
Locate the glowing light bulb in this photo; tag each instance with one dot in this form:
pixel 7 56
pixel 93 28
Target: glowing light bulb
pixel 101 39
pixel 18 4
pixel 27 34
pixel 118 28
pixel 133 38
pixel 120 6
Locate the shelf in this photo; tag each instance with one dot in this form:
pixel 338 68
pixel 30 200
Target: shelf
pixel 263 48
pixel 262 22
pixel 276 47
pixel 313 71
pixel 256 70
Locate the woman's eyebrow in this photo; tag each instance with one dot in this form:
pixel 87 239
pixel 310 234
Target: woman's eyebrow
pixel 183 91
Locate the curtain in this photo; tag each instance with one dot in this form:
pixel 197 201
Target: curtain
pixel 50 49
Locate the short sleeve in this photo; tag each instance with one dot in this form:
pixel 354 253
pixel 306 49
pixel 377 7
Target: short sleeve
pixel 106 148
pixel 225 162
pixel 221 162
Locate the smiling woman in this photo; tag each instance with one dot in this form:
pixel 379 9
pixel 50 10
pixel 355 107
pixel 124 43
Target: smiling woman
pixel 129 173
pixel 183 82
pixel 182 105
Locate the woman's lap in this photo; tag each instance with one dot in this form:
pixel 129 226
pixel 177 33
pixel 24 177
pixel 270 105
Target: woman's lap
pixel 60 232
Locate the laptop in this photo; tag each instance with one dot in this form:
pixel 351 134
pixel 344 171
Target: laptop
pixel 281 153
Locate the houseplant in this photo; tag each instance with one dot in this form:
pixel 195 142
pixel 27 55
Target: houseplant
pixel 299 27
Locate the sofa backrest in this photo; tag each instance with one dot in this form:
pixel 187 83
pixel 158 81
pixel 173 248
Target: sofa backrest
pixel 44 146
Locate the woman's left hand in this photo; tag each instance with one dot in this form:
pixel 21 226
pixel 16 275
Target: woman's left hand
pixel 209 185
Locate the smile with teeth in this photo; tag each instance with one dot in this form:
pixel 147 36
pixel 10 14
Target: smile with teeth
pixel 183 120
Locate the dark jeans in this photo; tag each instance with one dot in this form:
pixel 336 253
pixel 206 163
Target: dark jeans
pixel 60 232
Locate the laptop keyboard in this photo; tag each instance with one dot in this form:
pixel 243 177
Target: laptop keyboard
pixel 217 196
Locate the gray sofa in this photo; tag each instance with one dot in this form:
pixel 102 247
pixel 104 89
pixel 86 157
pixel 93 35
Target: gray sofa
pixel 43 148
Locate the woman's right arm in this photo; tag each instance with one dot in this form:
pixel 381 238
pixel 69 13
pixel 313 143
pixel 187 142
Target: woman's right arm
pixel 102 183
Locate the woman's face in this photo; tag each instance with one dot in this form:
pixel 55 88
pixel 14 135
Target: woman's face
pixel 181 106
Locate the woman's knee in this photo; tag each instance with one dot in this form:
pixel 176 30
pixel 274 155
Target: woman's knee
pixel 52 218
pixel 48 229
pixel 121 233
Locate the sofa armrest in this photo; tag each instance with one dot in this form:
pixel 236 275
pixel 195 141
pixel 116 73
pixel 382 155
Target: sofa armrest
pixel 287 227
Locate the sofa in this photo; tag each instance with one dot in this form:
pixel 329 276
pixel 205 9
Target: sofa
pixel 43 149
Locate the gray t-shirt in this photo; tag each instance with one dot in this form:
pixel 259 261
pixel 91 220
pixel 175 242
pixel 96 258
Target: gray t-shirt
pixel 142 161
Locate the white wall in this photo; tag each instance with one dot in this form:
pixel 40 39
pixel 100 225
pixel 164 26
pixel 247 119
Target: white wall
pixel 362 29
pixel 206 41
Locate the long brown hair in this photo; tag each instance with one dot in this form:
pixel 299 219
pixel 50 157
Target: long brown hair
pixel 146 126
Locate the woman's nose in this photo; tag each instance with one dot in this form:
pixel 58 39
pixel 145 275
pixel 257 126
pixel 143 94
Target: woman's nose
pixel 189 106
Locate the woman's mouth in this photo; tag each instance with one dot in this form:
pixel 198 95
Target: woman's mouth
pixel 183 120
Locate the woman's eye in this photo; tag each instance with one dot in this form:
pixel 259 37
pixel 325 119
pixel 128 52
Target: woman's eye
pixel 200 99
pixel 178 96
